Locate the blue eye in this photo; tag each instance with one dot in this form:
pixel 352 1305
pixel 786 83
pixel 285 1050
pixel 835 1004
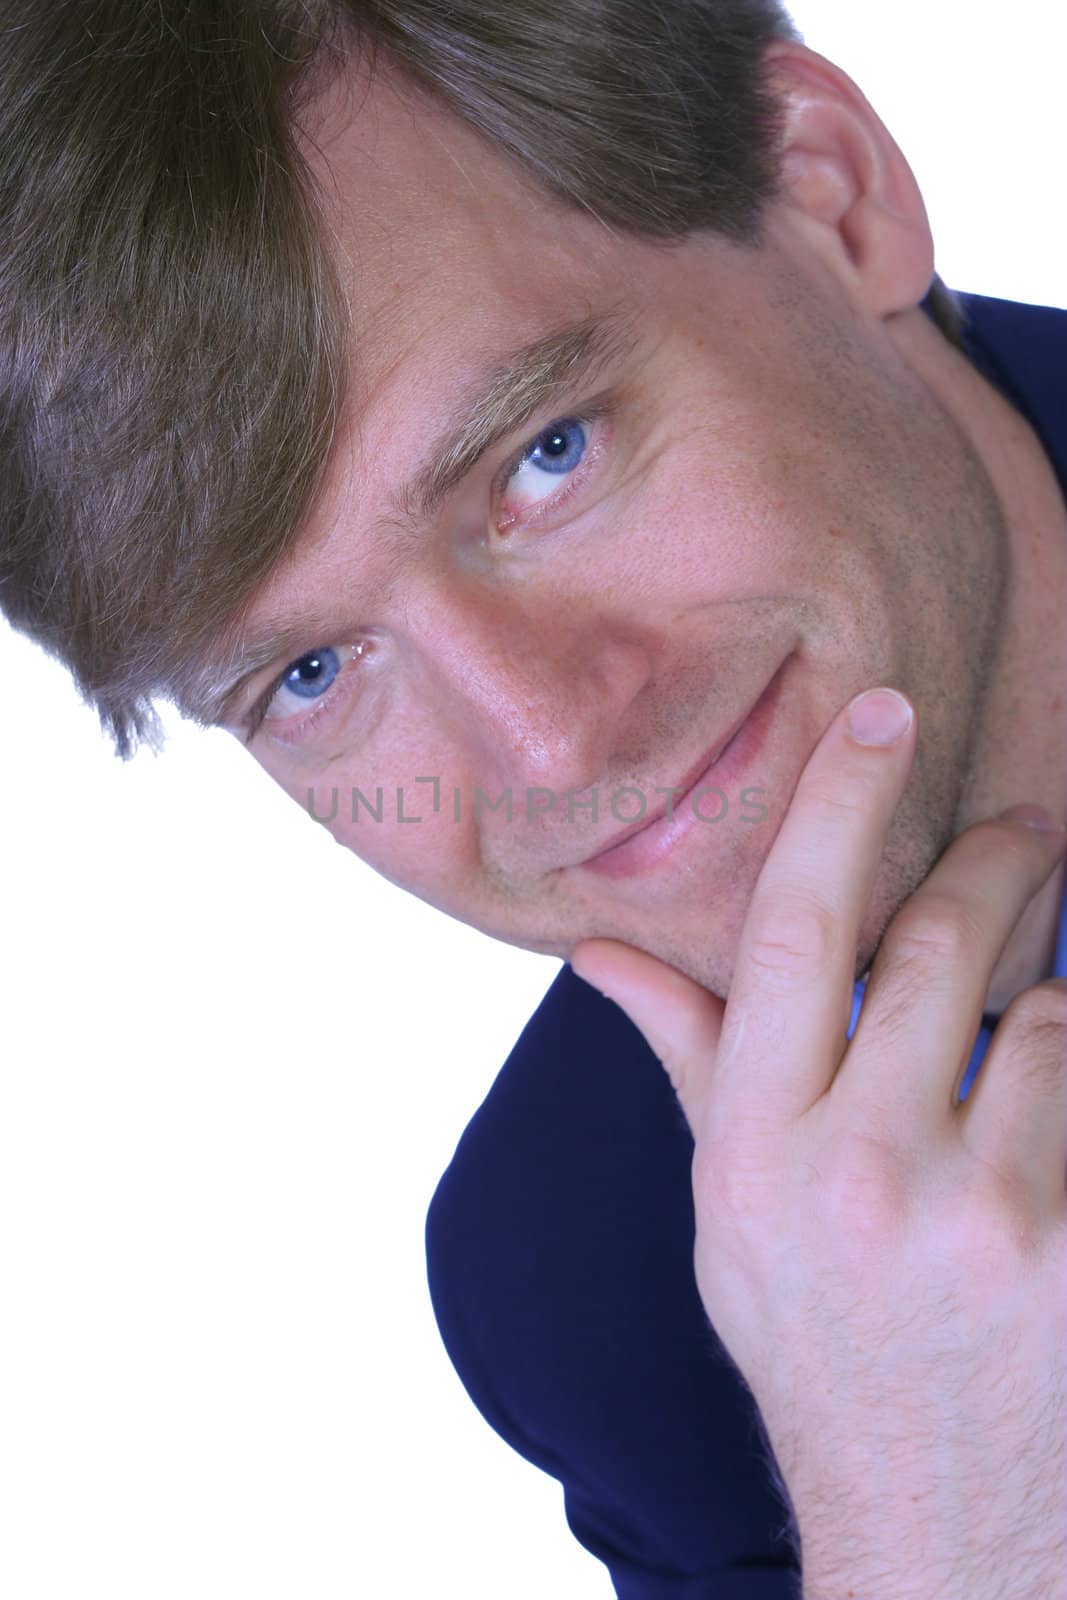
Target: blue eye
pixel 313 673
pixel 560 449
pixel 308 678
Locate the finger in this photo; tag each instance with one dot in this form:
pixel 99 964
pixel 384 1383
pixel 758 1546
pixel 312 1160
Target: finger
pixel 784 1028
pixel 930 978
pixel 1015 1117
pixel 679 1019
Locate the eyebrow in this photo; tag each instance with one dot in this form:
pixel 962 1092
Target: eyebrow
pixel 494 406
pixel 516 390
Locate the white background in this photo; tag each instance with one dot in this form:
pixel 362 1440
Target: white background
pixel 235 1063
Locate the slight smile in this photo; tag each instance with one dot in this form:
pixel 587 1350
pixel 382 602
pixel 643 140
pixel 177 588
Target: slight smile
pixel 646 843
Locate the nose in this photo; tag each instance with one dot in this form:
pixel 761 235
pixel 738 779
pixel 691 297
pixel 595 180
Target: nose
pixel 538 691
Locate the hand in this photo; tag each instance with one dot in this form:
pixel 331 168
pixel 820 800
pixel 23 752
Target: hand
pixel 885 1267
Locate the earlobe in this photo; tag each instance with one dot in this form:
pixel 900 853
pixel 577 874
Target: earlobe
pixel 846 185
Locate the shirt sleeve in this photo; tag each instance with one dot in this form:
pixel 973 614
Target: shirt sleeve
pixel 559 1248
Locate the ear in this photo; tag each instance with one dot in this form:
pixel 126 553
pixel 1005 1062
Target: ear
pixel 845 185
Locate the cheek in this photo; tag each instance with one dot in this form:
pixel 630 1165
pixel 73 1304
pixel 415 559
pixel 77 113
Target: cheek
pixel 418 835
pixel 725 524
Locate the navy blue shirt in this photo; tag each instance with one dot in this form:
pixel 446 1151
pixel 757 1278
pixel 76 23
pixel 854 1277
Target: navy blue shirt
pixel 560 1239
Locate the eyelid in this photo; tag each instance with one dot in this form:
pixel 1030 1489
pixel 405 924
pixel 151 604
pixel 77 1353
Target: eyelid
pixel 586 415
pixel 589 415
pixel 256 715
pixel 600 410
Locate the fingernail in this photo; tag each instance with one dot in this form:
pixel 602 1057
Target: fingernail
pixel 1032 817
pixel 879 716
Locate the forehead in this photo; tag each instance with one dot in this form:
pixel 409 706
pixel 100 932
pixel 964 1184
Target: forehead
pixel 449 257
pixel 438 235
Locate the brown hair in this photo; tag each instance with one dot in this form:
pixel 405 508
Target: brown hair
pixel 172 339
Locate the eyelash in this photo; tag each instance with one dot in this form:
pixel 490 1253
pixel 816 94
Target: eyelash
pixel 296 732
pixel 588 418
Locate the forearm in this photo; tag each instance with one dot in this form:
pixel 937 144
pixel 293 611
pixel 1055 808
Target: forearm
pixel 884 1536
pixel 852 1568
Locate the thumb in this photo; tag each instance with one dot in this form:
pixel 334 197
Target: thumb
pixel 679 1019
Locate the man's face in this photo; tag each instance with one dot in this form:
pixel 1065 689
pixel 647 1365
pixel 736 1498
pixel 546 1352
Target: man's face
pixel 739 482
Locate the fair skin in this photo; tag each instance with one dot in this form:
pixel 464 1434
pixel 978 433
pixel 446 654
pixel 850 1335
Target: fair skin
pixel 885 1268
pixel 799 469
pixel 792 477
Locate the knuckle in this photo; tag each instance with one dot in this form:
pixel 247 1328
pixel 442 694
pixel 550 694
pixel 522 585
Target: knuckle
pixel 730 1179
pixel 1034 1025
pixel 1041 1010
pixel 793 933
pixel 1025 848
pixel 990 1219
pixel 866 1187
pixel 849 796
pixel 937 930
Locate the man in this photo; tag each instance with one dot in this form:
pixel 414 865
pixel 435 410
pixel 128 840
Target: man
pixel 544 409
